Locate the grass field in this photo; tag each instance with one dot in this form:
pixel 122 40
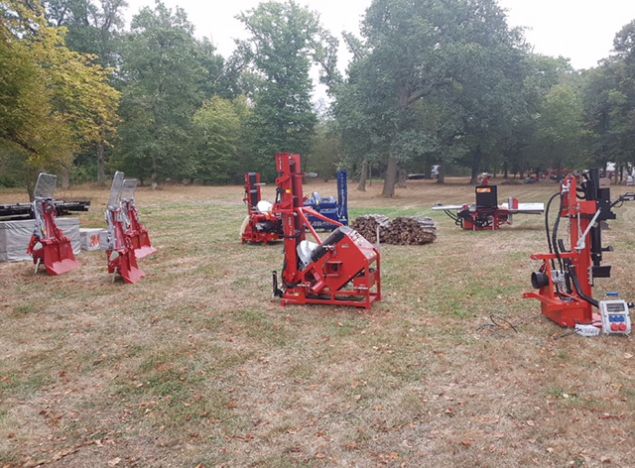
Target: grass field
pixel 197 366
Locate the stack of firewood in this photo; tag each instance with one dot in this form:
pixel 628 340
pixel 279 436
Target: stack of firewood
pixel 415 230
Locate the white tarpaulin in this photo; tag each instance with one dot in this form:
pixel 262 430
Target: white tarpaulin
pixel 15 237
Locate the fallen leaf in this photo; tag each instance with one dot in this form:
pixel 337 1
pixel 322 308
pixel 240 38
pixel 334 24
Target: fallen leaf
pixel 114 461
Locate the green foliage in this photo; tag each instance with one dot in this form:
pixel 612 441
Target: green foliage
pixel 220 126
pixel 53 101
pixel 284 40
pixel 164 72
pixel 430 82
pixel 609 102
pixel 92 28
pixel 560 129
pixel 417 58
pixel 326 152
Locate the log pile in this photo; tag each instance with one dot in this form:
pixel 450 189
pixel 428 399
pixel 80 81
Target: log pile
pixel 415 230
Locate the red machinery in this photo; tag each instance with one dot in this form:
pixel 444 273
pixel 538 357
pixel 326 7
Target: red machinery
pixel 48 244
pixel 342 270
pixel 565 279
pixel 118 242
pixel 486 213
pixel 136 231
pixel 261 226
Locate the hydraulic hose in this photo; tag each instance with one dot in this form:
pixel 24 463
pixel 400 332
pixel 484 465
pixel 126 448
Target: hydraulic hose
pixel 554 234
pixel 576 284
pixel 553 197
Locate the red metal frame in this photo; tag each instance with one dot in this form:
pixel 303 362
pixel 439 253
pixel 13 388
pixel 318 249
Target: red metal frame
pixel 252 234
pixel 137 232
pixel 121 258
pixel 486 218
pixel 347 270
pixel 55 250
pixel 565 309
pixel 498 218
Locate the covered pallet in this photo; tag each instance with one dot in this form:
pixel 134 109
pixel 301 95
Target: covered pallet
pixel 15 237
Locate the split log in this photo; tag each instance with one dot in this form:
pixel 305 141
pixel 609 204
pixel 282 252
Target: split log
pixel 415 230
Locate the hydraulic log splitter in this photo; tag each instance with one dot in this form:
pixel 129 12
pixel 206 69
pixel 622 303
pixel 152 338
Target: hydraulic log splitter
pixel 260 226
pixel 48 244
pixel 486 213
pixel 117 242
pixel 566 278
pixel 137 231
pixel 342 270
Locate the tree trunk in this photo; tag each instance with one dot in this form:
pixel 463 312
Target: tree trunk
pixel 363 176
pixel 476 165
pixel 391 178
pixel 101 164
pixel 505 172
pixel 441 176
pixel 402 178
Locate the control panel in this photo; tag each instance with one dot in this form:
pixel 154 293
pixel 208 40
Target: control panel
pixel 616 319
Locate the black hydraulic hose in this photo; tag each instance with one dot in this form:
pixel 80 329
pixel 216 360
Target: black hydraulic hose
pixel 576 284
pixel 452 216
pixel 553 197
pixel 554 234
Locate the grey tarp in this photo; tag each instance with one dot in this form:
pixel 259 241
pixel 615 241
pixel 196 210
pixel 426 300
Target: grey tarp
pixel 15 237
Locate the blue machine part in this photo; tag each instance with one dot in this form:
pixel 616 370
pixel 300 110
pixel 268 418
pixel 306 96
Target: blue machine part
pixel 331 207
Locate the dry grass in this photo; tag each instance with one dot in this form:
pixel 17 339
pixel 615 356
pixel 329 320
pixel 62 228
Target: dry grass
pixel 196 365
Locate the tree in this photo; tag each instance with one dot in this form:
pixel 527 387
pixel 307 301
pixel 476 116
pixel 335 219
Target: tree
pixel 541 74
pixel 416 57
pixel 285 39
pixel 560 129
pixel 220 126
pixel 93 28
pixel 53 101
pixel 325 156
pixel 165 76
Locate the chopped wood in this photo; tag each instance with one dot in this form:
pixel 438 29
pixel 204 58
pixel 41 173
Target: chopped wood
pixel 411 230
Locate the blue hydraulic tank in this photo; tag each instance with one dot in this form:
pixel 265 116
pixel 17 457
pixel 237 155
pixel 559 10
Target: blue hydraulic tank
pixel 331 207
